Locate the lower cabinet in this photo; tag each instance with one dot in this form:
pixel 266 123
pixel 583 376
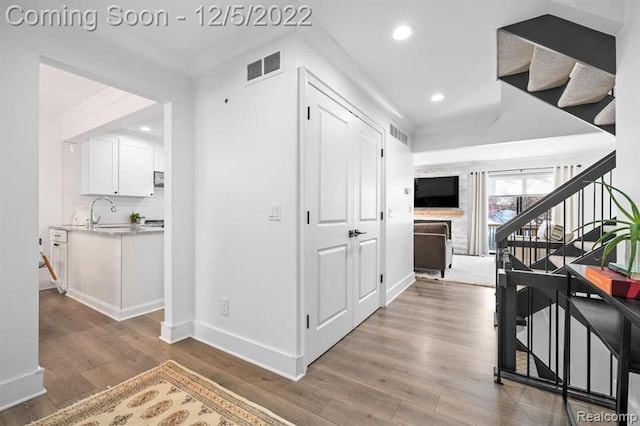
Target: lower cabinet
pixel 119 275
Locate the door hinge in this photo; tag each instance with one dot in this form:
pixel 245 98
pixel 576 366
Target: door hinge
pixel 381 215
pixel 382 153
pixel 308 113
pixel 307 322
pixel 381 278
pixel 308 221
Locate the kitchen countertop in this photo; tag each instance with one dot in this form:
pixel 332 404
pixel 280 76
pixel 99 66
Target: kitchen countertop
pixel 112 229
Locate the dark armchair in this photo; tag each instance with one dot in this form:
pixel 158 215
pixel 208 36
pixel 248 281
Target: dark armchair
pixel 432 246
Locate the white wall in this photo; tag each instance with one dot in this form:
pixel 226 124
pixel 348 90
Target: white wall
pixel 627 128
pixel 398 222
pixel 542 345
pixel 20 376
pixel 247 158
pixel 21 50
pixel 602 15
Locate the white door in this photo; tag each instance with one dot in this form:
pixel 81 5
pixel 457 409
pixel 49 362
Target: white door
pixel 342 179
pixel 329 267
pixel 367 210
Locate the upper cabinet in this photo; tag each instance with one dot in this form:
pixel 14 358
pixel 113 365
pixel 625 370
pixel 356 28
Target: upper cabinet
pixel 117 166
pixel 136 168
pixel 99 166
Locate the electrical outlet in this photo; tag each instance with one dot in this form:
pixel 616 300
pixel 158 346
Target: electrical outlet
pixel 224 306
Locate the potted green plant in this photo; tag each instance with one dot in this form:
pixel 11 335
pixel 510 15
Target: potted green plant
pixel 627 229
pixel 134 217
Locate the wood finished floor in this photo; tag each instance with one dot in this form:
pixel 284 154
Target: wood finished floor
pixel 427 359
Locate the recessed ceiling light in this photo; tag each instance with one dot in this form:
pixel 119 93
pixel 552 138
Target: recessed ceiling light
pixel 437 97
pixel 145 128
pixel 402 32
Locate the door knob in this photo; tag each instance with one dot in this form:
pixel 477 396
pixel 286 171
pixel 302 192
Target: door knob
pixel 356 232
pixel 352 233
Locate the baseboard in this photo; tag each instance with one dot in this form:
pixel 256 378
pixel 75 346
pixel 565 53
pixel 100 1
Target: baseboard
pixel 175 333
pixel 21 389
pixel 114 312
pixel 100 306
pixel 46 285
pixel 142 309
pixel 280 363
pixel 397 289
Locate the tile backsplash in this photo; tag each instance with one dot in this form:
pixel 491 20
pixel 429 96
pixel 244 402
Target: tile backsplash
pixel 149 207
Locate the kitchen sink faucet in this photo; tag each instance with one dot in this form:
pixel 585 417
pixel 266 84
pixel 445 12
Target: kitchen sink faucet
pixel 93 221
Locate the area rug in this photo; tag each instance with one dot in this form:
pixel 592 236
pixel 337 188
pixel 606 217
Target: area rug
pixel 166 395
pixel 475 270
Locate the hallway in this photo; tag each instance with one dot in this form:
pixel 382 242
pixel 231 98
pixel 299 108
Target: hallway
pixel 426 359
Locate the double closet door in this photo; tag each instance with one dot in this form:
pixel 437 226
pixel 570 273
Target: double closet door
pixel 342 235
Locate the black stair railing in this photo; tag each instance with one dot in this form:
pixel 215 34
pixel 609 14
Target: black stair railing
pixel 530 348
pixel 561 241
pixel 531 285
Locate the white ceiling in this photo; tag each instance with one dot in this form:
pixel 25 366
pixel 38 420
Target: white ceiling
pixel 61 91
pixel 452 50
pixel 155 123
pixel 563 146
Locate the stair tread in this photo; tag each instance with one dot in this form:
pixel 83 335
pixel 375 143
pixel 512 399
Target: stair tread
pixel 548 70
pixel 587 246
pixel 586 112
pixel 561 260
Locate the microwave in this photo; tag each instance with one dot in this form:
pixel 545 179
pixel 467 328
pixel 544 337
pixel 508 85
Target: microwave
pixel 158 179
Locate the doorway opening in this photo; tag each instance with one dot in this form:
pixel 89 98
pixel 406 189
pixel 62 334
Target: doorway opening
pixel 101 238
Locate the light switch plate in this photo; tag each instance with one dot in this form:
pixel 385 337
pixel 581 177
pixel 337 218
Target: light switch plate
pixel 275 211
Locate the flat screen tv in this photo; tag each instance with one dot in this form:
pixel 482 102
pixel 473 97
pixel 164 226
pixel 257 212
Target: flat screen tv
pixel 436 192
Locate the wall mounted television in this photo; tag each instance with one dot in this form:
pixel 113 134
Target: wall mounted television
pixel 436 192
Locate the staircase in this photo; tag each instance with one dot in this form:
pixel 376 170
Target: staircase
pixel 572 68
pixel 563 64
pixel 532 279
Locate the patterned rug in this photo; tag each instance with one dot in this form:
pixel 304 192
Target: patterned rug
pixel 166 395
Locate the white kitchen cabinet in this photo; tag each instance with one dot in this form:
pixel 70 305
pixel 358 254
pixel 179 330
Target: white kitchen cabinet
pixel 118 274
pixel 135 168
pixel 117 166
pixel 158 159
pixel 99 166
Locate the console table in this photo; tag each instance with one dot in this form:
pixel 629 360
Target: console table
pixel 611 319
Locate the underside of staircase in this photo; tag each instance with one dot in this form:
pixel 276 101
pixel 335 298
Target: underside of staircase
pixel 564 64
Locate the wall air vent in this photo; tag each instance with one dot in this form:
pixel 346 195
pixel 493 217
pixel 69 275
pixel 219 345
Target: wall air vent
pixel 396 133
pixel 272 63
pixel 254 70
pixel 264 67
